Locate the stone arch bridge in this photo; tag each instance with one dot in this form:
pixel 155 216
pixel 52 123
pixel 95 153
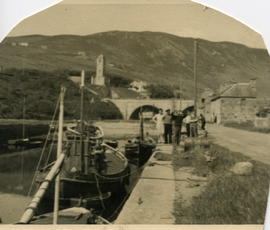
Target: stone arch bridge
pixel 128 106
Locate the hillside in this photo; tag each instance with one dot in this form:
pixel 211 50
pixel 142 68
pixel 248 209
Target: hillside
pixel 150 56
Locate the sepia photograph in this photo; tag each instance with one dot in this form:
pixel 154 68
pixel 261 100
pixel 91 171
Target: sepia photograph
pixel 133 112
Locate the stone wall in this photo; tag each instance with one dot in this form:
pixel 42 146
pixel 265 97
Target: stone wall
pixel 238 109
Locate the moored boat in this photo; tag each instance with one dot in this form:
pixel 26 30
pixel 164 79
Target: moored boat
pixel 87 170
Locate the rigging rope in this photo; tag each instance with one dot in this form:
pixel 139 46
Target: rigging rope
pixel 51 147
pixel 44 147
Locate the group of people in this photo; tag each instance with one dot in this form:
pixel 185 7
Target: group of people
pixel 169 125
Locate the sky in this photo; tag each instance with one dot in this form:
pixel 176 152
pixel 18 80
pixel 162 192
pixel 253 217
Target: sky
pixel 178 17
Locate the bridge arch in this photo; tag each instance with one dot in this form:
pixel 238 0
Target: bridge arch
pixel 145 109
pixel 188 109
pixel 111 109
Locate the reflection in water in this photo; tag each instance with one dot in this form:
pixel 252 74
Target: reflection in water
pixel 15 180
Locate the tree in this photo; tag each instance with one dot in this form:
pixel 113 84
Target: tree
pixel 160 91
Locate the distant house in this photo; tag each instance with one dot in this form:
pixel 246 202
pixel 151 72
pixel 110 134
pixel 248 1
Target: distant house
pixel 25 44
pixel 81 53
pixel 138 86
pixel 235 102
pixel 44 47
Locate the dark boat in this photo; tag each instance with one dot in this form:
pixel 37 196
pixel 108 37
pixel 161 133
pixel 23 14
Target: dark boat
pixel 139 150
pixel 88 171
pixel 90 179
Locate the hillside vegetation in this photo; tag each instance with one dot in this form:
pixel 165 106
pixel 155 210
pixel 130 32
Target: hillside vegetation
pixel 157 58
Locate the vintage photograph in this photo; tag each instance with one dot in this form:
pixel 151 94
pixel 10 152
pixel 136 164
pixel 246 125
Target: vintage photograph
pixel 133 112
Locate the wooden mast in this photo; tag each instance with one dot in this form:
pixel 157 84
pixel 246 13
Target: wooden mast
pixel 195 76
pixel 180 96
pixel 59 151
pixel 30 210
pixel 83 169
pixel 141 124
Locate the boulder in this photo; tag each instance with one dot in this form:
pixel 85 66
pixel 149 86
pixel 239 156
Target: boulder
pixel 242 168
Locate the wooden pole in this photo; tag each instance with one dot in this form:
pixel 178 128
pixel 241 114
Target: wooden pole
pixel 82 122
pixel 141 124
pixel 180 97
pixel 23 137
pixel 23 116
pixel 195 76
pixel 59 151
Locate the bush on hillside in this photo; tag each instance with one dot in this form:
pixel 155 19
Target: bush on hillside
pixel 160 91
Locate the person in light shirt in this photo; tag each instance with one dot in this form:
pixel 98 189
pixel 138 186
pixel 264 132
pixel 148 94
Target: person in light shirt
pixel 187 120
pixel 191 124
pixel 158 119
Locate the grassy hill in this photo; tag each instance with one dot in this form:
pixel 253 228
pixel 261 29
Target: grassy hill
pixel 151 56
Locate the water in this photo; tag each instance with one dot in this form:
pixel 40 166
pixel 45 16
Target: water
pixel 16 173
pixel 15 131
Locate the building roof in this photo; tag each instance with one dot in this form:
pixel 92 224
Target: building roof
pixel 237 90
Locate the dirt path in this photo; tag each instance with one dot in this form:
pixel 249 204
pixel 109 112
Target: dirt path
pixel 252 144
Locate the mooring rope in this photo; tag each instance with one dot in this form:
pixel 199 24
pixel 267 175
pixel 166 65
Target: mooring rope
pixel 100 193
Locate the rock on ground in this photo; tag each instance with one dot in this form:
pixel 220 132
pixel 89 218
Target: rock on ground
pixel 242 168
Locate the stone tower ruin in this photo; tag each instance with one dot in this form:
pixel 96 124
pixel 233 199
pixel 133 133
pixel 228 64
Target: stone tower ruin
pixel 99 79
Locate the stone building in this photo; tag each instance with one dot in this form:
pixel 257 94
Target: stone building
pixel 235 102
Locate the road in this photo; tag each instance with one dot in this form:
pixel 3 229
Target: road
pixel 252 144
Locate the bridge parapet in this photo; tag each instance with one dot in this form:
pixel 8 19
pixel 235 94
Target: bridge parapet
pixel 128 106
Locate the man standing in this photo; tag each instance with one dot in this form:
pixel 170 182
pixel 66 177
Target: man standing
pixel 187 122
pixel 193 122
pixel 158 119
pixel 177 119
pixel 202 120
pixel 167 120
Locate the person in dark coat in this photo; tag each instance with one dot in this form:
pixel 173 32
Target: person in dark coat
pixel 177 120
pixel 202 120
pixel 167 121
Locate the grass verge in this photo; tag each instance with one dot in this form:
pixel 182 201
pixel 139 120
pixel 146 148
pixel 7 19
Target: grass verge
pixel 227 198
